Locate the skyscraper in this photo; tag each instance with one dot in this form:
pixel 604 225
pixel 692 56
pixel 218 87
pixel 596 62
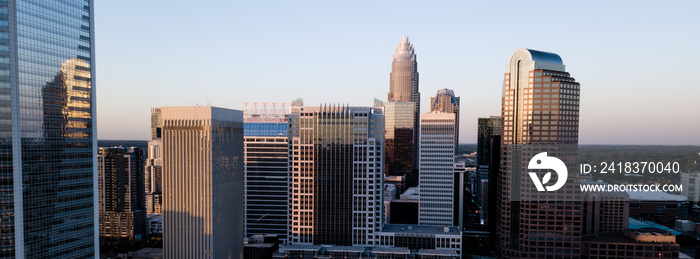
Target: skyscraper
pixel 202 182
pixel 437 169
pixel 403 84
pixel 48 149
pixel 488 159
pixel 403 87
pixel 336 158
pixel 266 169
pixel 154 165
pixel 121 189
pixel 540 113
pixel 446 101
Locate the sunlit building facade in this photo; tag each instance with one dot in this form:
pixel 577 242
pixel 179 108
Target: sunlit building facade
pixel 539 110
pixel 336 161
pixel 203 182
pixel 48 146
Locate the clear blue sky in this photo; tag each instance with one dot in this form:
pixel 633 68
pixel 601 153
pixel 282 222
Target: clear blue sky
pixel 637 61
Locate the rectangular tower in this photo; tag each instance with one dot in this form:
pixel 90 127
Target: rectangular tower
pixel 437 168
pixel 203 182
pixel 400 146
pixel 48 146
pixel 266 169
pixel 121 188
pixel 336 160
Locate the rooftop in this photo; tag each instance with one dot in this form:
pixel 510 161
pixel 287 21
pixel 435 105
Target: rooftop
pixel 405 228
pixel 638 224
pixel 655 196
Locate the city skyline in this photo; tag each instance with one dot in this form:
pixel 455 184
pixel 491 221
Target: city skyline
pixel 326 56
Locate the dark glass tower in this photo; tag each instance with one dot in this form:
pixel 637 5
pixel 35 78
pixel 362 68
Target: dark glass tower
pixel 266 169
pixel 336 166
pixel 48 169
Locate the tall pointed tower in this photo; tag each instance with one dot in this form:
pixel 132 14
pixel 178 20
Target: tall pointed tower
pixel 402 139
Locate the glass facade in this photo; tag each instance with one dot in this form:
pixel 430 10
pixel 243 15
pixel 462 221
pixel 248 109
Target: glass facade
pixel 539 113
pixel 400 147
pixel 267 169
pixel 336 158
pixel 46 127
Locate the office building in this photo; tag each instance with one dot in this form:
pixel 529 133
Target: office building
pixel 121 193
pixel 203 182
pixel 459 192
pixel 446 101
pixel 400 134
pixel 436 169
pixel 266 169
pixel 658 206
pixel 605 211
pixel 48 145
pixel 488 158
pixel 539 113
pixel 403 87
pixel 691 186
pixel 336 160
pixel 154 165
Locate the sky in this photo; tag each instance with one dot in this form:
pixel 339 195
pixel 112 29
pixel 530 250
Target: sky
pixel 636 61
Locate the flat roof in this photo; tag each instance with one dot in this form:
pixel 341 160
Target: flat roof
pixel 391 250
pixel 447 252
pixel 655 196
pixel 406 228
pixel 617 237
pixel 635 224
pixel 357 249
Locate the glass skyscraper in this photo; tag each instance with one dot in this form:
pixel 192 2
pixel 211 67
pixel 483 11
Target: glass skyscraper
pixel 540 107
pixel 48 182
pixel 266 169
pixel 336 166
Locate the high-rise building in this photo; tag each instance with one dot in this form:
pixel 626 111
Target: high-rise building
pixel 266 169
pixel 202 182
pixel 336 161
pixel 540 113
pixel 605 211
pixel 48 146
pixel 446 101
pixel 400 146
pixel 121 193
pixel 154 165
pixel 488 158
pixel 436 169
pixel 403 87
